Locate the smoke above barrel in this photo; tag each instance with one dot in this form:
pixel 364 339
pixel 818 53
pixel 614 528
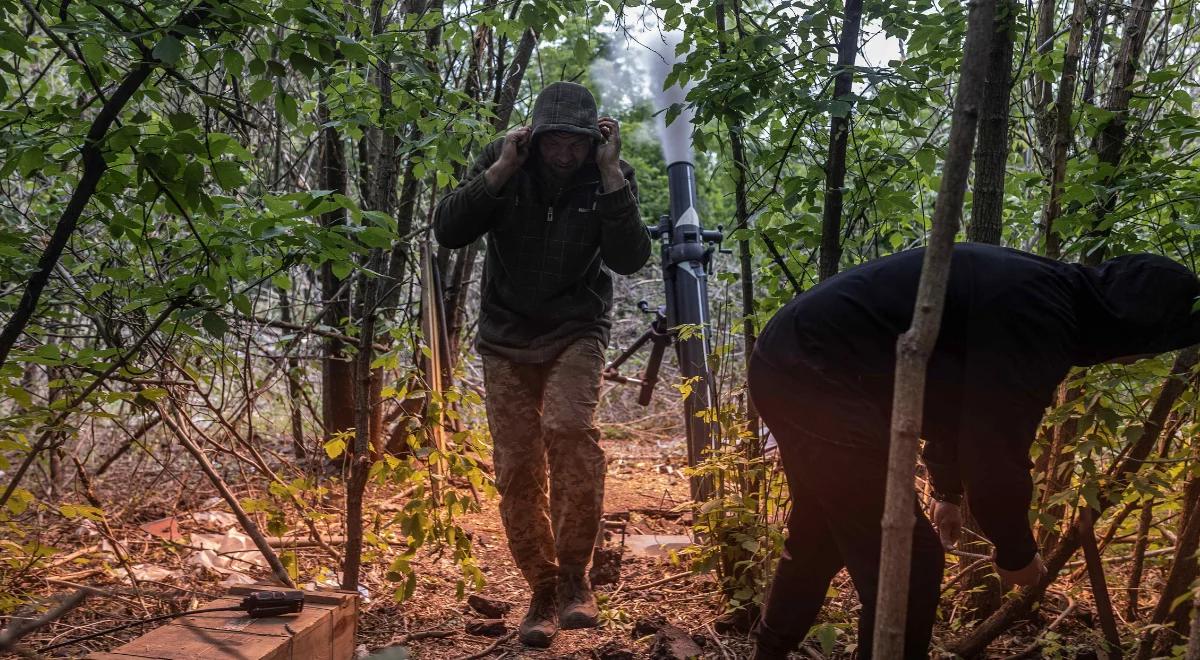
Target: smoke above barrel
pixel 676 137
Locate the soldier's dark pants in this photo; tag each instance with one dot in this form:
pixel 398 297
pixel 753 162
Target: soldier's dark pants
pixel 837 506
pixel 543 416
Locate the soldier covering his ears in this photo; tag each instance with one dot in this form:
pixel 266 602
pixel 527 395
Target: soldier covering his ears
pixel 559 209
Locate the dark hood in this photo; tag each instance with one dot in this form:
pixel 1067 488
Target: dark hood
pixel 1137 304
pixel 566 106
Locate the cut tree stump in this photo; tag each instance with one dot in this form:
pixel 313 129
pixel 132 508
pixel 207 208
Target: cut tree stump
pixel 323 631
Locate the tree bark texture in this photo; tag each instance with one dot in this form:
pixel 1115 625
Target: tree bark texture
pixel 1095 570
pixel 1064 107
pixel 360 452
pixel 742 213
pixel 915 346
pixel 337 372
pixel 839 135
pixel 1133 586
pixel 1042 93
pixel 991 148
pixel 1110 143
pixel 379 194
pixel 1193 645
pixel 1176 617
pixel 293 382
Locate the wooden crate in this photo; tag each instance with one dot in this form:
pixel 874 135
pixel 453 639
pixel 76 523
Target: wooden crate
pixel 323 631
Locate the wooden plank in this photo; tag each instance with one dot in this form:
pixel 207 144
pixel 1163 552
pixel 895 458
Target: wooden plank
pixel 186 643
pixel 342 604
pixel 279 626
pixel 315 641
pixel 323 630
pixel 432 362
pixel 345 626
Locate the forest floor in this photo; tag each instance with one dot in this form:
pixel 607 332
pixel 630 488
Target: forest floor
pixel 645 483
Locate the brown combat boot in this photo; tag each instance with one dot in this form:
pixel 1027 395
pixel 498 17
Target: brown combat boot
pixel 541 622
pixel 576 601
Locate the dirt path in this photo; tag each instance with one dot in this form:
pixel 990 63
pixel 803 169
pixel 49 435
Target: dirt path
pixel 643 476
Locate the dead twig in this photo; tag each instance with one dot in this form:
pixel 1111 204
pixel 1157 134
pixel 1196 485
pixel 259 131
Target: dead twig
pixel 1029 651
pixel 717 638
pixel 488 651
pixel 659 583
pixel 59 561
pixel 422 634
pixel 963 573
pixel 247 524
pixel 1080 566
pixel 14 632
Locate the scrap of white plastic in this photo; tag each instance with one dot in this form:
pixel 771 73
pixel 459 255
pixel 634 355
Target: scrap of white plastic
pixel 152 573
pixel 229 554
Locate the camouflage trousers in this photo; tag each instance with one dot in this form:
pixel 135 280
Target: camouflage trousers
pixel 543 416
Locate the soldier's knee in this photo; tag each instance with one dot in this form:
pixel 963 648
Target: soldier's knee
pixel 519 479
pixel 569 426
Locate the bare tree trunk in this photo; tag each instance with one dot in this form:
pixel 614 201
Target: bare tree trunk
pixel 473 88
pixel 54 392
pixel 991 149
pixel 1095 43
pixel 1058 462
pixel 1110 143
pixel 1174 615
pixel 741 205
pixel 456 294
pixel 360 454
pixel 839 135
pixel 915 346
pixel 1064 107
pixel 1191 491
pixel 1141 540
pixel 337 372
pixel 1095 570
pixel 293 382
pixel 506 98
pixel 1133 587
pixel 1042 93
pixel 379 194
pixel 1193 645
pixel 736 566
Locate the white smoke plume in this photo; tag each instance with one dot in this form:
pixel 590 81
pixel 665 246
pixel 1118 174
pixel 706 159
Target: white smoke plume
pixel 634 71
pixel 676 137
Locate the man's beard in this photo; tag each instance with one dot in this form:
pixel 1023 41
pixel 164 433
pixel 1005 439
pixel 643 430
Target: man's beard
pixel 558 176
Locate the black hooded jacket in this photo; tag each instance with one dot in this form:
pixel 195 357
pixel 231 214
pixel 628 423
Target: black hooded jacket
pixel 546 281
pixel 1014 324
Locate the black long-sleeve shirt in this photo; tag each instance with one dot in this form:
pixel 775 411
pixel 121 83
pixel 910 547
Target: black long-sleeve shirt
pixel 1013 325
